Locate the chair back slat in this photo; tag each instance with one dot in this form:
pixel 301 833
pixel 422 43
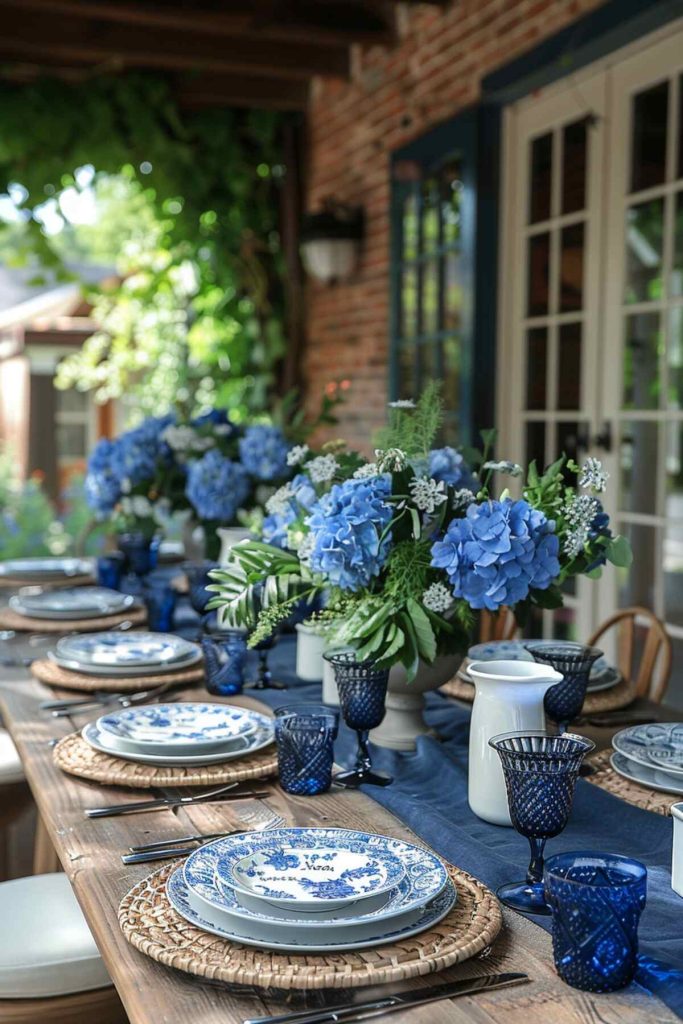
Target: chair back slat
pixel 652 668
pixel 500 625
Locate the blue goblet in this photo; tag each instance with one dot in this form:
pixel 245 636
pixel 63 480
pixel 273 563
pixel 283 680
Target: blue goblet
pixel 225 656
pixel 305 735
pixel 141 554
pixel 160 597
pixel 362 693
pixel 564 701
pixel 540 773
pixel 110 569
pixel 596 901
pixel 197 574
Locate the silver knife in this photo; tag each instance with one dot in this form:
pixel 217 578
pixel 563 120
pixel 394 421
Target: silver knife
pixel 399 1001
pixel 111 810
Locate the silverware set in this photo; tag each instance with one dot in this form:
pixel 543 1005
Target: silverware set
pixel 229 792
pixel 353 1011
pixel 166 849
pixel 100 698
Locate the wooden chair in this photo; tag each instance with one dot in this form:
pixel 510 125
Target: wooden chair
pixel 501 625
pixel 649 668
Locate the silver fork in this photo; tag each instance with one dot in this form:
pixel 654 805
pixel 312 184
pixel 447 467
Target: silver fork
pixel 165 849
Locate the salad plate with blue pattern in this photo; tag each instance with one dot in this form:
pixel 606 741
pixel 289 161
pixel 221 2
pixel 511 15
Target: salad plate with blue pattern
pixel 650 777
pixel 184 728
pixel 114 649
pixel 651 745
pixel 424 877
pixel 242 746
pixel 291 937
pixel 603 675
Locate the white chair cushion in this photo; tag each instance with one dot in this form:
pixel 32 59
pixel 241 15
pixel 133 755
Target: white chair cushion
pixel 46 947
pixel 10 763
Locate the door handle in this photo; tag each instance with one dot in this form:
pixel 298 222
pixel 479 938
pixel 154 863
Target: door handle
pixel 603 439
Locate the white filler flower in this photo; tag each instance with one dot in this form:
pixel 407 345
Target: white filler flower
pixel 437 598
pixel 427 493
pixel 322 468
pixel 297 454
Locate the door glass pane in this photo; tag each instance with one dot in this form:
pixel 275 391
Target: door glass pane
pixel 574 167
pixel 451 198
pixel 536 367
pixel 430 297
pixel 568 435
pixel 72 400
pixel 675 359
pixel 430 216
pixel 644 237
pixel 451 372
pixel 72 440
pixel 571 268
pixel 540 178
pixel 407 384
pixel 673 572
pixel 638 464
pixel 637 583
pixel 432 365
pixel 676 282
pixel 642 347
pixel 648 149
pixel 539 271
pixel 410 227
pixel 409 303
pixel 452 292
pixel 674 469
pixel 535 444
pixel 569 366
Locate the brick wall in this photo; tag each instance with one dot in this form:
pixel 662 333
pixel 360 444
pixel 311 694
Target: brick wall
pixel 394 96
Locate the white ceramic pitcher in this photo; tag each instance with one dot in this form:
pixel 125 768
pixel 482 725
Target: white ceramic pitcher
pixel 508 698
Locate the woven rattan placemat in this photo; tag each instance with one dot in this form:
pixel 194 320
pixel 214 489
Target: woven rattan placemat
pixel 46 582
pixel 9 619
pixel 619 696
pixel 640 796
pixel 75 756
pixel 54 675
pixel 150 924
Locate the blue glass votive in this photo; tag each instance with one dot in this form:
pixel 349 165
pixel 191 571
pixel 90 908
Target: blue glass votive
pixel 225 656
pixel 140 552
pixel 596 901
pixel 160 598
pixel 110 570
pixel 197 581
pixel 305 735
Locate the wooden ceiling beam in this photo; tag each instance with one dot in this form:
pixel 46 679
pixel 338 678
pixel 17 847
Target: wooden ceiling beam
pixel 74 39
pixel 305 21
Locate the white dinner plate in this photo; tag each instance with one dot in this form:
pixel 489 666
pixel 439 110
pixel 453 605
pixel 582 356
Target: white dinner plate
pixel 72 603
pixel 293 939
pixel 127 671
pixel 188 727
pixel 649 777
pixel 37 568
pixel 234 749
pixel 136 649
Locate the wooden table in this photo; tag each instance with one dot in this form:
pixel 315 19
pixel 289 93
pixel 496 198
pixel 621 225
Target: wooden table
pixel 90 853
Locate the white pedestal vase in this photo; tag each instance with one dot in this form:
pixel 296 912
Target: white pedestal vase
pixel 310 645
pixel 404 721
pixel 230 535
pixel 508 698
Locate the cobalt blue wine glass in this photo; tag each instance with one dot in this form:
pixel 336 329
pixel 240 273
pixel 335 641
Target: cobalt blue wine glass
pixel 141 554
pixel 362 693
pixel 540 773
pixel 596 901
pixel 225 658
pixel 305 735
pixel 198 579
pixel 160 598
pixel 563 702
pixel 110 569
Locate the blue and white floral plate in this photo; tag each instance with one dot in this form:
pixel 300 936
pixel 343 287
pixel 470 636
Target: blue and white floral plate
pixel 116 650
pixel 603 675
pixel 424 877
pixel 639 742
pixel 311 875
pixel 184 728
pixel 232 750
pixel 649 777
pixel 72 603
pixel 38 568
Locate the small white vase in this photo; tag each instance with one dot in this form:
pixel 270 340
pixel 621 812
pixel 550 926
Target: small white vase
pixel 230 535
pixel 310 645
pixel 508 698
pixel 677 853
pixel 403 721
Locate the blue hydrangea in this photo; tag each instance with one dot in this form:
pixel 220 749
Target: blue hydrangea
pixel 263 451
pixel 448 465
pixel 102 485
pixel 345 528
pixel 216 486
pixel 599 530
pixel 300 498
pixel 497 553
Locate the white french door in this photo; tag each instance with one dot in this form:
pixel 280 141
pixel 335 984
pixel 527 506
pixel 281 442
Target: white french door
pixel 591 329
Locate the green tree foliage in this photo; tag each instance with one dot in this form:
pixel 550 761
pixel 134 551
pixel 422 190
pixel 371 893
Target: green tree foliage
pixel 189 214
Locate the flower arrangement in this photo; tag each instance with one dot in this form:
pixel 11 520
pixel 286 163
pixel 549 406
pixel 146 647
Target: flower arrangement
pixel 406 547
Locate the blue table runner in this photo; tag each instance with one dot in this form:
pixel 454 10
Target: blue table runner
pixel 429 794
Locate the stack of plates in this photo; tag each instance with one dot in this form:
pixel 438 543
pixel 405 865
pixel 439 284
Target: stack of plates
pixel 651 755
pixel 180 735
pixel 603 675
pixel 72 603
pixel 312 890
pixel 125 654
pixel 34 569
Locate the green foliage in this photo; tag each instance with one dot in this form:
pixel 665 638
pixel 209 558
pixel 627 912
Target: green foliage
pixel 191 211
pixel 414 433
